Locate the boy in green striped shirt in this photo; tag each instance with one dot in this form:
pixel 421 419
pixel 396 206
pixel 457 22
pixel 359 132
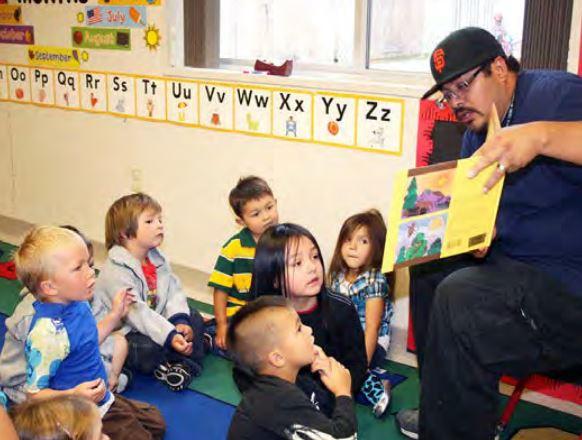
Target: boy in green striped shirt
pixel 256 209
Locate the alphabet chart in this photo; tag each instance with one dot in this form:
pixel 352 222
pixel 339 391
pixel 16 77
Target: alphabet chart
pixel 370 123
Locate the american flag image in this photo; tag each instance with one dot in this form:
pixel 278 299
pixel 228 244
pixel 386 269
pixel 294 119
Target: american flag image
pixel 94 15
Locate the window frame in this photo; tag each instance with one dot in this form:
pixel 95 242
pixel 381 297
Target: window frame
pixel 360 76
pixel 359 64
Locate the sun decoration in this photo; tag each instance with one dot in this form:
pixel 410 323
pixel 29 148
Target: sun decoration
pixel 80 17
pixel 152 37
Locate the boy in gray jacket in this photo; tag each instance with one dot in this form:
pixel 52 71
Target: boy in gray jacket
pixel 164 335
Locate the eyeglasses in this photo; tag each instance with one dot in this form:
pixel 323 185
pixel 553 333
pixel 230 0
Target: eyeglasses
pixel 459 90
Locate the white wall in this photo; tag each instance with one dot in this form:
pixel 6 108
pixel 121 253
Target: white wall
pixel 70 166
pixel 60 166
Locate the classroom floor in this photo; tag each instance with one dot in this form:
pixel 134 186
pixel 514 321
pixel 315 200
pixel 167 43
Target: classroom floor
pixel 206 408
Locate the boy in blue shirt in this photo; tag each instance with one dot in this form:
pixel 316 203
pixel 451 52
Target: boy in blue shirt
pixel 62 347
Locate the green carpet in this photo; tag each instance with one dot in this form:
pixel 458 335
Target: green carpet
pixel 220 385
pixel 9 289
pixel 216 382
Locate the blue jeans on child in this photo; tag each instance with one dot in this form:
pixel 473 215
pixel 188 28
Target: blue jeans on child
pixel 144 355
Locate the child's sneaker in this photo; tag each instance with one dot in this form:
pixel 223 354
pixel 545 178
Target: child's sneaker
pixel 176 376
pixel 382 405
pixel 376 393
pixel 179 376
pixel 124 381
pixel 161 372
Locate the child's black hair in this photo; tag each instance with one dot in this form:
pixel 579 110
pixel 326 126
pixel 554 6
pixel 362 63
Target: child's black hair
pixel 270 268
pixel 247 189
pixel 239 346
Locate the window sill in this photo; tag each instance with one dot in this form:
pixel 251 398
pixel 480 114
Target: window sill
pixel 376 82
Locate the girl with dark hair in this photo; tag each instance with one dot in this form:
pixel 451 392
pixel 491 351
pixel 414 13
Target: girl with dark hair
pixel 288 263
pixel 355 272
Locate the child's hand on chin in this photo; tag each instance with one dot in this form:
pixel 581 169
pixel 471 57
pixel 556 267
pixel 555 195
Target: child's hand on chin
pixel 338 379
pixel 320 362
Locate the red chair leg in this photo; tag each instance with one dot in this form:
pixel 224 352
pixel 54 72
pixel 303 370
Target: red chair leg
pixel 510 406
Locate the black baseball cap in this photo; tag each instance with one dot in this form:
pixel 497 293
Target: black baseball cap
pixel 460 52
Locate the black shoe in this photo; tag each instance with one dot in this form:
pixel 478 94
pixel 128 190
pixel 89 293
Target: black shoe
pixel 407 420
pixel 176 376
pixel 161 372
pixel 179 376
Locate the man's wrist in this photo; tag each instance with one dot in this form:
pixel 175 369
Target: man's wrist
pixel 546 131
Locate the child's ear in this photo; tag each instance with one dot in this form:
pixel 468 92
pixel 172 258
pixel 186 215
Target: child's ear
pixel 276 359
pixel 239 221
pixel 47 288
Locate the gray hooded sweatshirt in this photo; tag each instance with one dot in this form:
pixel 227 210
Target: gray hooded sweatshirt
pixel 122 271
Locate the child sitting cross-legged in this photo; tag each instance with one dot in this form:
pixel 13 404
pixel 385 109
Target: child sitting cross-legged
pixel 165 336
pixel 355 272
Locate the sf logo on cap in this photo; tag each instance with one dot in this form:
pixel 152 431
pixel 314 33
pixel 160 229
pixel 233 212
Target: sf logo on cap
pixel 438 59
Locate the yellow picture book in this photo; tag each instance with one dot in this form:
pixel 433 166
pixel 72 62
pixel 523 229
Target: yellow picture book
pixel 437 212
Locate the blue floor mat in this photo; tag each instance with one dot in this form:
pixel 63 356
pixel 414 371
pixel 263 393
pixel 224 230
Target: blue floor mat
pixel 188 414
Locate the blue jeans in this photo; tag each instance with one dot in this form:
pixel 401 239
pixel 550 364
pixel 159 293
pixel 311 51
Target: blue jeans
pixel 144 355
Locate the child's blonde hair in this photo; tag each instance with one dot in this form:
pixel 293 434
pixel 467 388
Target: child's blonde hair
pixel 56 418
pixel 372 220
pixel 34 258
pixel 122 217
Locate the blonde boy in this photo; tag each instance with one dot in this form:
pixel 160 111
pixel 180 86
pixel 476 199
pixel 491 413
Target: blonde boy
pixel 62 347
pixel 256 209
pixel 271 345
pixel 13 359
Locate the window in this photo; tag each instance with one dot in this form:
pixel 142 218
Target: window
pixel 309 32
pixel 345 35
pixel 404 33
